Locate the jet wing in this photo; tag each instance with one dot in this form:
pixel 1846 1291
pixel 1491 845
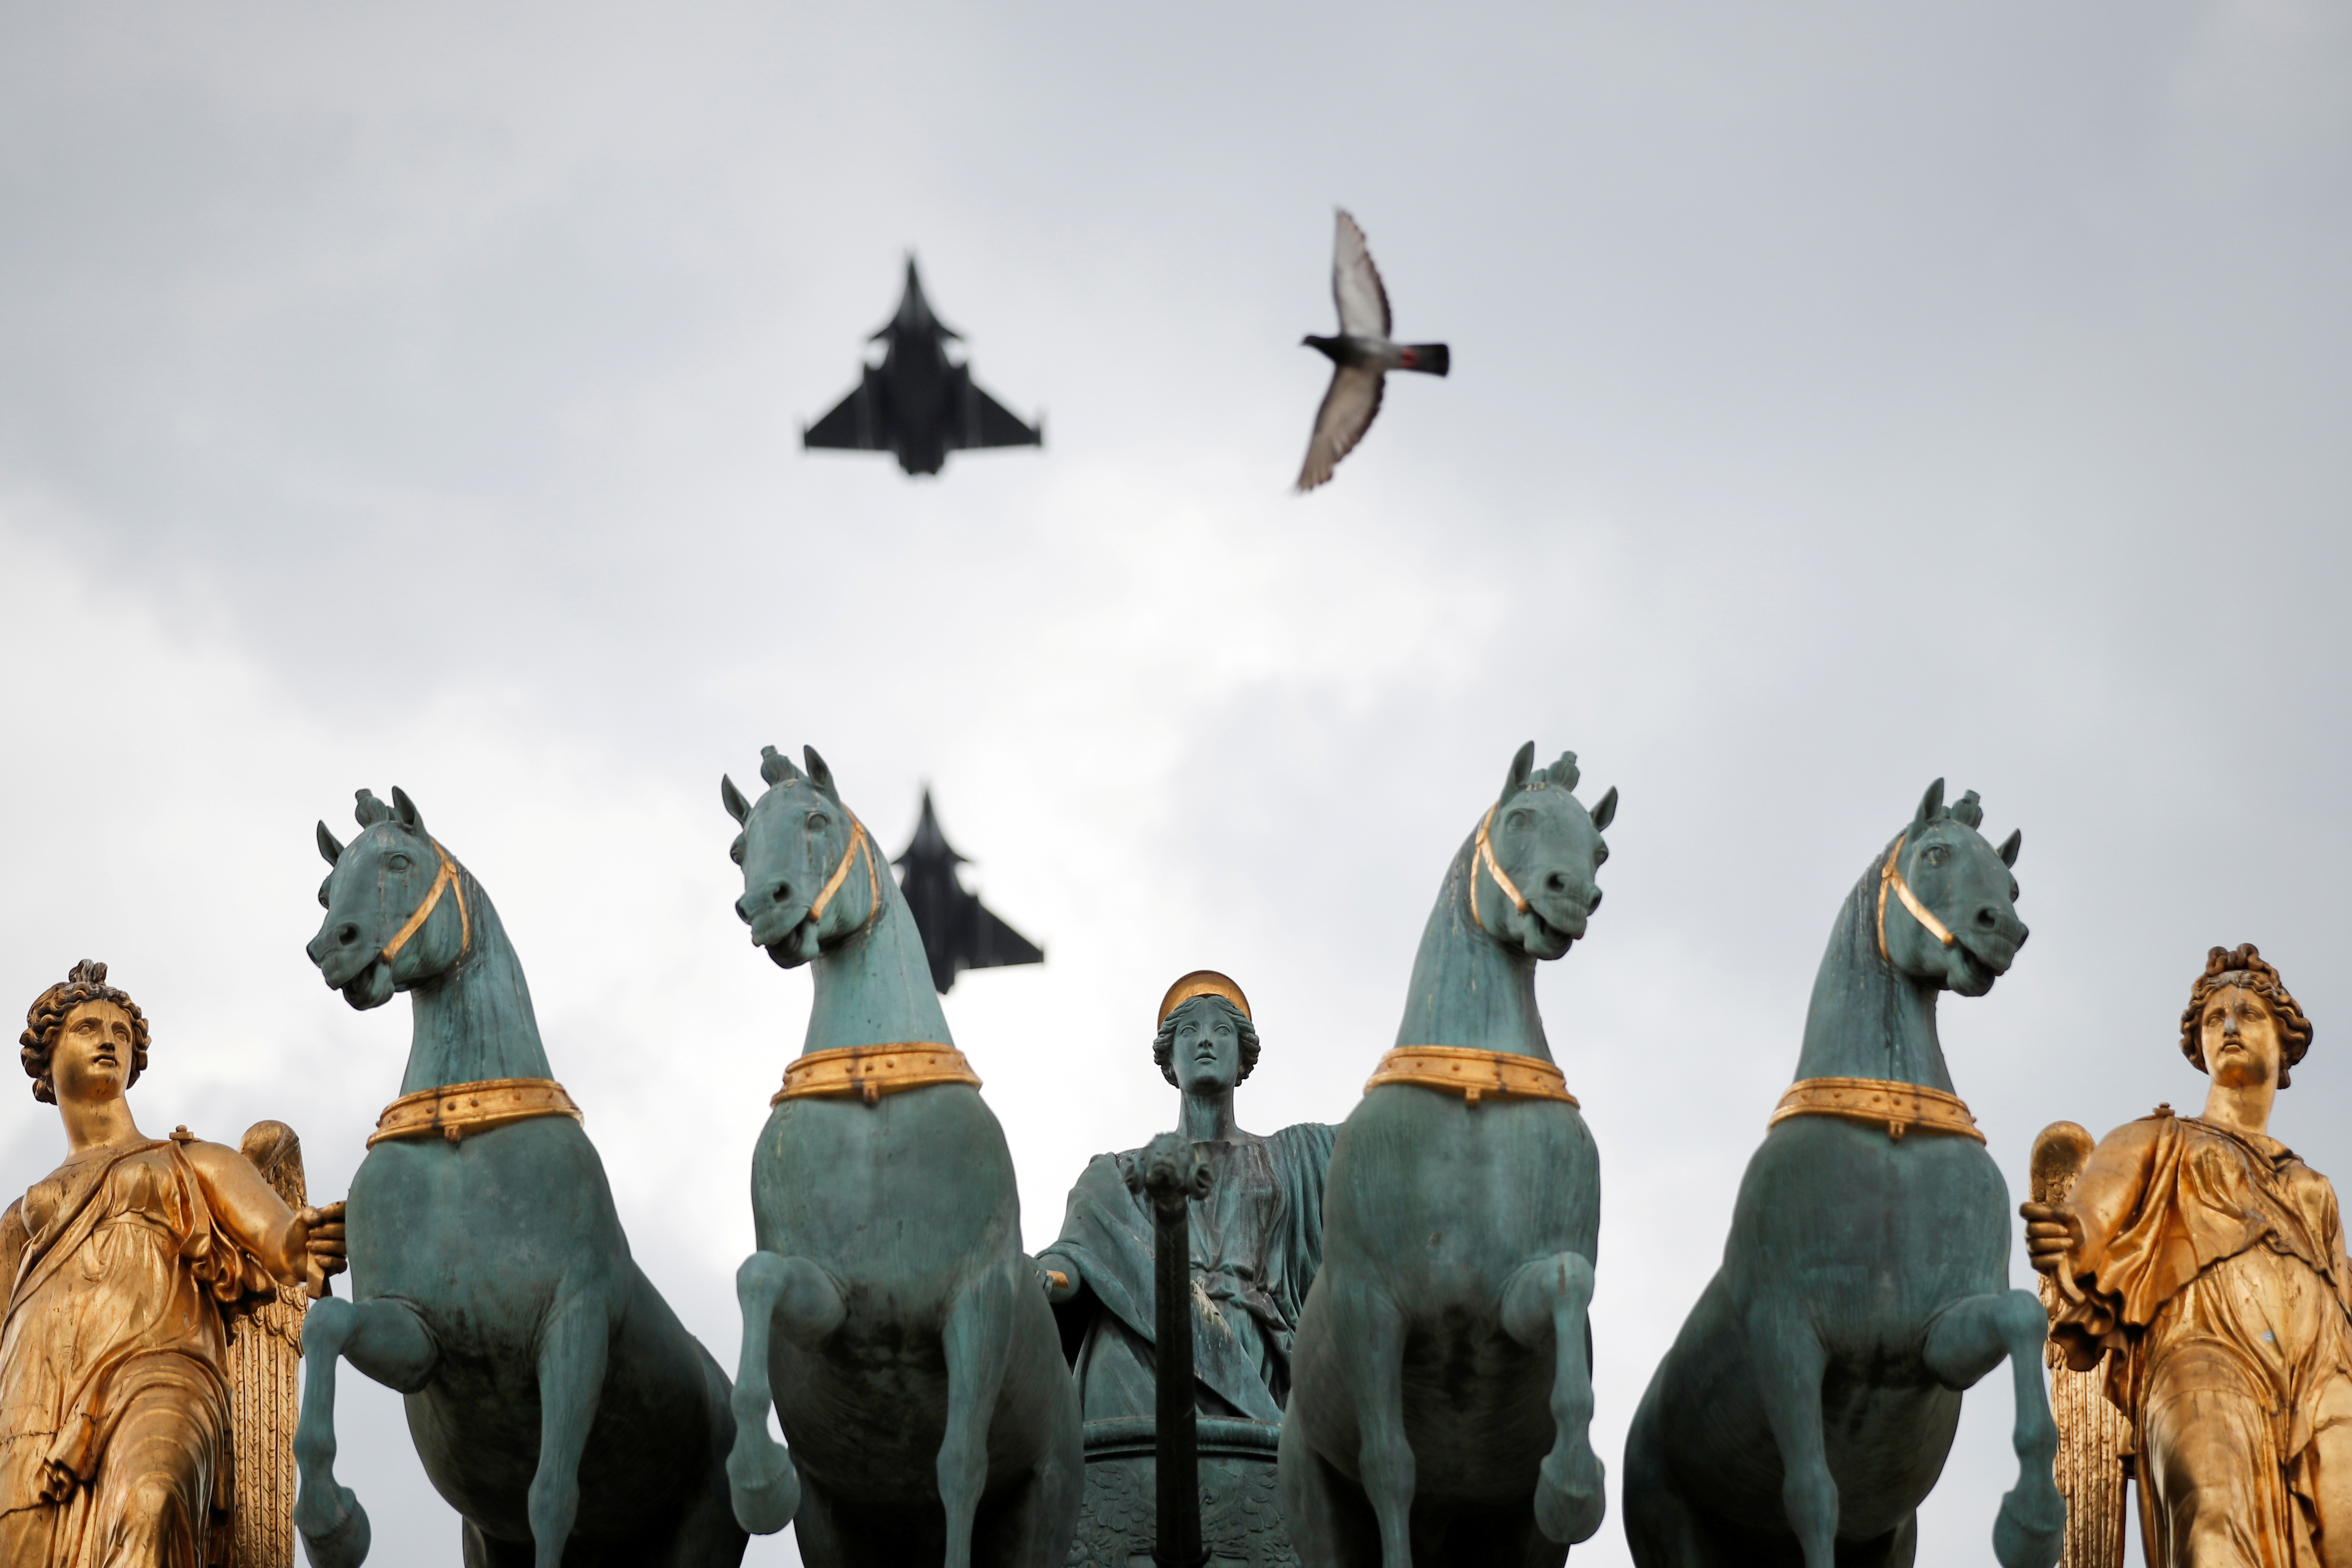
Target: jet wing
pixel 984 422
pixel 855 425
pixel 994 944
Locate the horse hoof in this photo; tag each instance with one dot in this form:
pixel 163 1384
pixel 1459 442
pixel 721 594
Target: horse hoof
pixel 762 1488
pixel 335 1535
pixel 2030 1532
pixel 1570 1499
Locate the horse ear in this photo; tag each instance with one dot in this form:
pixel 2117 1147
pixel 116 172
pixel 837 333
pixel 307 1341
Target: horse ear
pixel 1522 767
pixel 732 799
pixel 1931 806
pixel 1606 812
pixel 329 846
pixel 819 774
pixel 775 767
pixel 2010 845
pixel 405 812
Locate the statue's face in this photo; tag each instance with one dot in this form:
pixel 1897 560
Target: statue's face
pixel 1208 1048
pixel 2241 1038
pixel 91 1059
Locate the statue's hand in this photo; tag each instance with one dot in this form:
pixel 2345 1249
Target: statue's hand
pixel 320 1233
pixel 1060 1283
pixel 2051 1232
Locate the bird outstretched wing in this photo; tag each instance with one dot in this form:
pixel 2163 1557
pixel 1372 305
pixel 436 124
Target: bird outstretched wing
pixel 1346 413
pixel 1356 287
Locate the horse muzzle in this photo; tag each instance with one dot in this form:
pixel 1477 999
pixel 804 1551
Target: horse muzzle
pixel 1983 957
pixel 1555 923
pixel 371 988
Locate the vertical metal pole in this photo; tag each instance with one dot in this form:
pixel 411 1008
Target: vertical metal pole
pixel 1172 1176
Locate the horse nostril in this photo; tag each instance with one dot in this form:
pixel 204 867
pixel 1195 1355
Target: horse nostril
pixel 780 891
pixel 743 914
pixel 1987 918
pixel 1588 908
pixel 1557 881
pixel 346 933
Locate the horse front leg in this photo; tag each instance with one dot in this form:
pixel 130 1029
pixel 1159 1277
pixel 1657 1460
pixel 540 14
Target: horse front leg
pixel 1965 1341
pixel 977 1342
pixel 387 1340
pixel 1544 1304
pixel 572 1351
pixel 1789 1362
pixel 1366 1343
pixel 796 1295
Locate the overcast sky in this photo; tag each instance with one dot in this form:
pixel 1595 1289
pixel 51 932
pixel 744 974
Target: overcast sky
pixel 1844 396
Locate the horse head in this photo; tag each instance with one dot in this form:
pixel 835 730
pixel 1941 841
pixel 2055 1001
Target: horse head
pixel 800 849
pixel 1533 860
pixel 395 905
pixel 1947 901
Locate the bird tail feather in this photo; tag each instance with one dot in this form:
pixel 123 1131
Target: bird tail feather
pixel 1430 357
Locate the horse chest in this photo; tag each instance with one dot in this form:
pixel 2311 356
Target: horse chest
pixel 1426 1186
pixel 484 1235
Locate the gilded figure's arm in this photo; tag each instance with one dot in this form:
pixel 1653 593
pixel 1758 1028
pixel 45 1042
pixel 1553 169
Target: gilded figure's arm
pixel 2107 1195
pixel 13 1238
pixel 292 1244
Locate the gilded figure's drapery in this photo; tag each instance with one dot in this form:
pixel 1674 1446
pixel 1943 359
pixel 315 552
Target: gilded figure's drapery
pixel 2211 1273
pixel 114 1400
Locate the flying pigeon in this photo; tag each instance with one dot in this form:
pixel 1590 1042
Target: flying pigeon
pixel 1362 356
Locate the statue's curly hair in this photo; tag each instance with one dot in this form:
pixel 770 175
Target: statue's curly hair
pixel 85 982
pixel 2245 968
pixel 1163 1044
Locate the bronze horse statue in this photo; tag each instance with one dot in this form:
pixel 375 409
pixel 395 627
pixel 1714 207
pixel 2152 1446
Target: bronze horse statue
pixel 1809 1404
pixel 904 1338
pixel 1442 1375
pixel 555 1399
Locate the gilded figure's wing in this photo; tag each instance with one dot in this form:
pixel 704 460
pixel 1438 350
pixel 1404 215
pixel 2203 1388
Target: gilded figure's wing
pixel 265 1382
pixel 2093 1435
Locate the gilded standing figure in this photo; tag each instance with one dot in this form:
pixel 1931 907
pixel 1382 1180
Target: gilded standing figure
pixel 114 1396
pixel 2206 1263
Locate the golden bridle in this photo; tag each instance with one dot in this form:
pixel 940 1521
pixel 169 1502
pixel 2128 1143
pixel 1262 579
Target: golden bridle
pixel 1494 868
pixel 442 882
pixel 1891 876
pixel 858 841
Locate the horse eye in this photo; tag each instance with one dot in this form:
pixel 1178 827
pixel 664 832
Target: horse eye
pixel 322 897
pixel 1515 820
pixel 1936 854
pixel 816 821
pixel 397 863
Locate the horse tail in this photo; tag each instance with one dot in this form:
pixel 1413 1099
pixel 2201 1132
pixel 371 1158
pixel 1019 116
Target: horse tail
pixel 1544 1304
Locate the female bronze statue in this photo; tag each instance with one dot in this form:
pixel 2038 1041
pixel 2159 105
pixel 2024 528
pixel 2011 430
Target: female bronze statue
pixel 1257 1238
pixel 114 1398
pixel 2206 1262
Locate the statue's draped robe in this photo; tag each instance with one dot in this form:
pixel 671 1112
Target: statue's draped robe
pixel 2212 1270
pixel 114 1405
pixel 1258 1239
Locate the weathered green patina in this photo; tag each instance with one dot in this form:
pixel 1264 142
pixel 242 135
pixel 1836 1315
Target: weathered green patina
pixel 555 1399
pixel 1254 1242
pixel 1807 1408
pixel 1441 1374
pixel 904 1338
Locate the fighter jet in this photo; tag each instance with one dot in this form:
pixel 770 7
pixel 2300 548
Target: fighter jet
pixel 958 933
pixel 917 403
